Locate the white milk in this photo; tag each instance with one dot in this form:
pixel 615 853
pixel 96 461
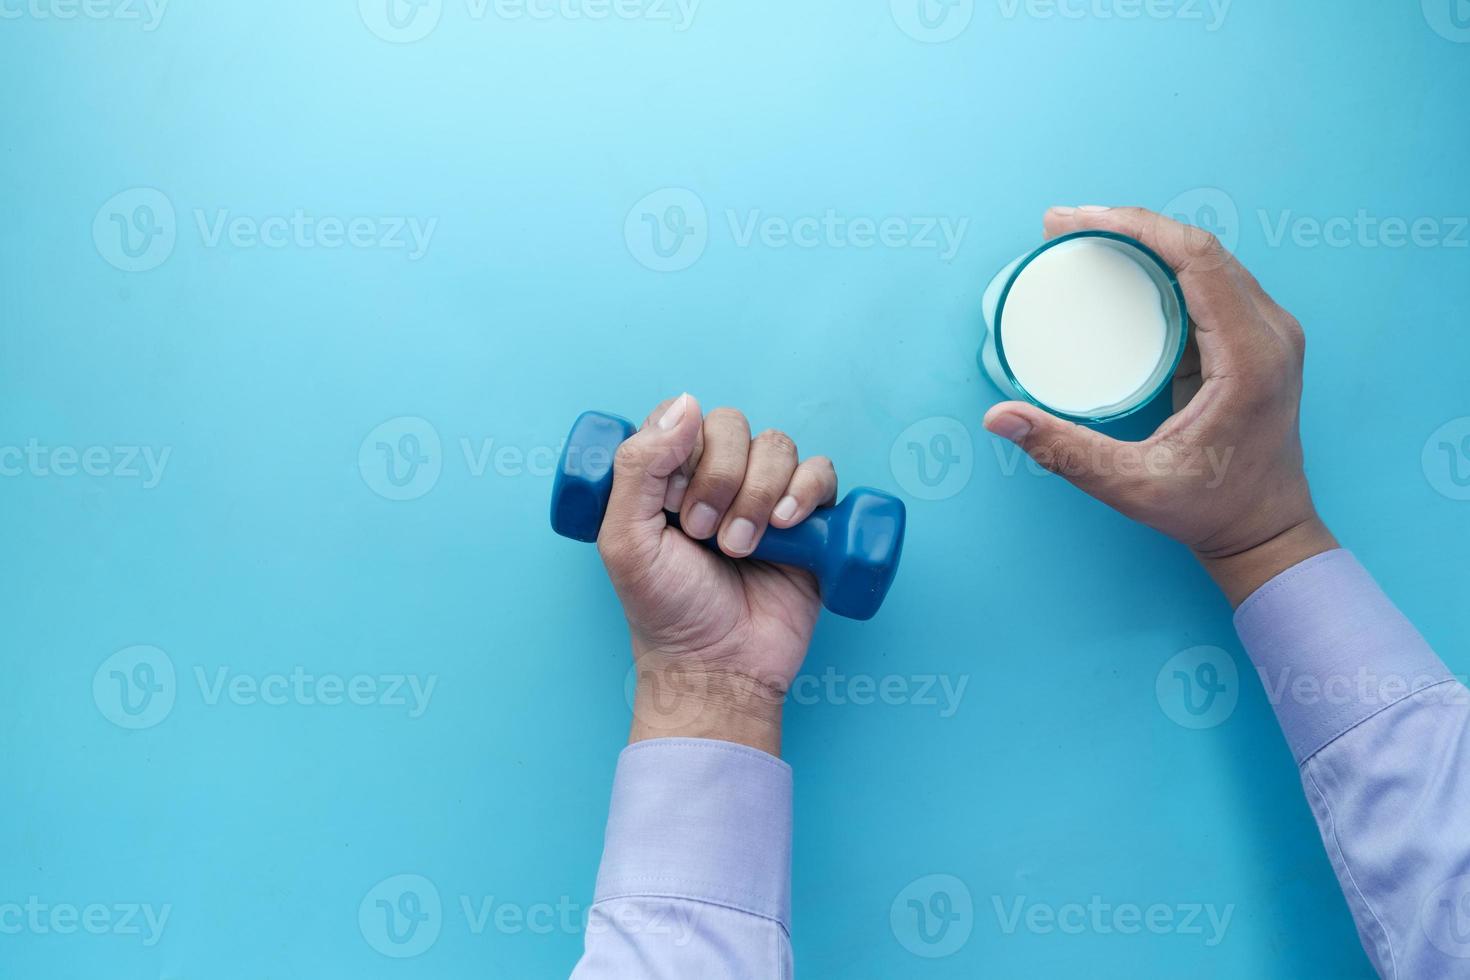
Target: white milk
pixel 1083 327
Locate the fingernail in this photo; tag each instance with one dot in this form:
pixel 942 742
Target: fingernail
pixel 674 496
pixel 740 536
pixel 1063 210
pixel 786 509
pixel 1095 208
pixel 701 523
pixel 674 414
pixel 1011 427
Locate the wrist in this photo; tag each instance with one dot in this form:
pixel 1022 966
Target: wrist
pixel 1242 573
pixel 678 699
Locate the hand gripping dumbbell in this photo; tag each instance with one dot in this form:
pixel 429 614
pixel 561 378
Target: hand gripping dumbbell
pixel 852 548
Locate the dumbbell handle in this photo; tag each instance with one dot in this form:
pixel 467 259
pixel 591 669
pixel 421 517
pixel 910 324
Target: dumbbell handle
pixel 852 548
pixel 801 546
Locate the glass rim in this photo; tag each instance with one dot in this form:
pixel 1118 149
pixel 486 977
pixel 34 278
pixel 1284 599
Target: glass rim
pixel 1173 280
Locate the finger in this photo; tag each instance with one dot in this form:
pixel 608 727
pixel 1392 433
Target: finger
pixel 1182 246
pixel 720 471
pixel 679 479
pixel 768 472
pixel 1187 377
pixel 1089 460
pixel 635 512
pixel 1215 285
pixel 813 485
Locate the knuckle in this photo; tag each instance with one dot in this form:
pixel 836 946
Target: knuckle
pixel 1295 335
pixel 1060 457
pixel 1202 243
pixel 607 548
pixel 727 417
pixel 777 441
pixel 613 550
pixel 1148 496
pixel 719 475
pixel 628 457
pixel 822 467
pixel 1136 216
pixel 761 490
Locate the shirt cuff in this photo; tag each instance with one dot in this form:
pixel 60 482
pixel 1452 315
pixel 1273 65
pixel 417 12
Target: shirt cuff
pixel 1331 649
pixel 700 819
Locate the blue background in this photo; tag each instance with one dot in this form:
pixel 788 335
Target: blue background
pixel 267 544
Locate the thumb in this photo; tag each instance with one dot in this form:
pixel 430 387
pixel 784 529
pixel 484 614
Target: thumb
pixel 641 471
pixel 1088 460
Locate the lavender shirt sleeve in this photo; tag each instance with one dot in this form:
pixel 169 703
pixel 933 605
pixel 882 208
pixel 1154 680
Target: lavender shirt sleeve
pixel 696 866
pixel 1381 732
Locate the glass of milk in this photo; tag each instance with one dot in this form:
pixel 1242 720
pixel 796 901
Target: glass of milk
pixel 1089 326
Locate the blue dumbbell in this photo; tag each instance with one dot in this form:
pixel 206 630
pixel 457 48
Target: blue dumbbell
pixel 852 548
